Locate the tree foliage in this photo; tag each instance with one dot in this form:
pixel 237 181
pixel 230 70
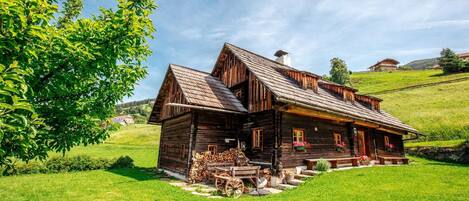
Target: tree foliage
pixel 77 69
pixel 339 72
pixel 451 62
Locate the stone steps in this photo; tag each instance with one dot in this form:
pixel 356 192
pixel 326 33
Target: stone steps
pixel 308 172
pixel 302 176
pixel 295 182
pixel 285 186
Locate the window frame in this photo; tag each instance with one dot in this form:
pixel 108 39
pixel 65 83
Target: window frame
pixel 214 147
pixel 257 142
pixel 337 136
pixel 295 138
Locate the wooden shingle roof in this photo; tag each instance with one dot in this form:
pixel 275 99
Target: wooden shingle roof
pixel 286 90
pixel 201 89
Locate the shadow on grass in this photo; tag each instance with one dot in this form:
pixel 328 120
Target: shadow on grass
pixel 139 173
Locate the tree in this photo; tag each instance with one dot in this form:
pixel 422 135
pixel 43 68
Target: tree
pixel 339 72
pixel 79 68
pixel 22 27
pixel 450 62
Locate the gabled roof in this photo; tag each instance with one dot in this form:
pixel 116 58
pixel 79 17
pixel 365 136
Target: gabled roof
pixel 201 89
pixel 463 55
pixel 285 90
pixel 395 62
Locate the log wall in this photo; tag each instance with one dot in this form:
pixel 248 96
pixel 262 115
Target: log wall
pixel 394 139
pixel 265 121
pixel 213 128
pixel 321 141
pixel 174 143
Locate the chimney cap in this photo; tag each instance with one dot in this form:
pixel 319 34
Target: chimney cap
pixel 280 53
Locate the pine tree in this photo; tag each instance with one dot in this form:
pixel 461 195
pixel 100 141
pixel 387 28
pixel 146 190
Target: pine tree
pixel 450 62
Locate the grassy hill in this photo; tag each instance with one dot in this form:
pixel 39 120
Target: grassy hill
pixel 422 63
pixel 139 110
pixel 440 110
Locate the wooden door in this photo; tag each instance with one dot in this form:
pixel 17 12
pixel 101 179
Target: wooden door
pixel 362 143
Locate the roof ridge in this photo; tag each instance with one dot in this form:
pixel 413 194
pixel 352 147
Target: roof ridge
pixel 189 68
pixel 226 43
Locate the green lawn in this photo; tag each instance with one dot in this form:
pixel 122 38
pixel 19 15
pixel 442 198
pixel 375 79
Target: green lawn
pixel 138 141
pixel 445 143
pixel 372 82
pixel 423 180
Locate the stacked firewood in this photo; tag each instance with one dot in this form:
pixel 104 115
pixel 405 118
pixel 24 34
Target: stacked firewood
pixel 198 171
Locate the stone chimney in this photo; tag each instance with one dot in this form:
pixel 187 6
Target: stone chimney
pixel 283 57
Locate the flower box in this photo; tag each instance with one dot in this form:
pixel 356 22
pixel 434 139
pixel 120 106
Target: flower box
pixel 389 147
pixel 340 147
pixel 299 146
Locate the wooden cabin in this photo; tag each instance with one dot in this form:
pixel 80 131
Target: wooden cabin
pixel 275 113
pixel 385 65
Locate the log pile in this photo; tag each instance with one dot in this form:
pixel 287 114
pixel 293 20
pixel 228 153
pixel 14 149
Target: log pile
pixel 198 171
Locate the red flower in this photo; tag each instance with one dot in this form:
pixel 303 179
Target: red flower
pixel 298 144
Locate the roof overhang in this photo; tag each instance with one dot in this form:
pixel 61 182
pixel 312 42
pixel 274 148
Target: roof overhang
pixel 198 107
pixel 319 112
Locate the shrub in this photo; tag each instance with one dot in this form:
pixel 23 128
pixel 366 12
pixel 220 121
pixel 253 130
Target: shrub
pixel 68 164
pixel 323 165
pixel 123 162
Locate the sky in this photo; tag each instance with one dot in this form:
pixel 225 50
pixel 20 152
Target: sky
pixel 192 33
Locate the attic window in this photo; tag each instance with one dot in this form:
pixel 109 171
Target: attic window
pixel 348 96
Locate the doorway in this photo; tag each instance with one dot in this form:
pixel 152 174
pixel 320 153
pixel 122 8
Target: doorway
pixel 362 145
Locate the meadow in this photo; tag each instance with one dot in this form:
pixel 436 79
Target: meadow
pixel 373 82
pixel 422 180
pixel 441 112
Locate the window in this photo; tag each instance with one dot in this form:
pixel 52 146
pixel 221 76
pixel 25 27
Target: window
pixel 212 149
pixel 298 135
pixel 337 138
pixel 386 140
pixel 257 138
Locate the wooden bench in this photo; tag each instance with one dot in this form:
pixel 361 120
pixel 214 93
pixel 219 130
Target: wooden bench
pixel 393 159
pixel 310 163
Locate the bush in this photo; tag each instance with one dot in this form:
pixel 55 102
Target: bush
pixel 123 162
pixel 323 165
pixel 68 164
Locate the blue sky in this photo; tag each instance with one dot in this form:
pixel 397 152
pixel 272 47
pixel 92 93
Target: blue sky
pixel 192 33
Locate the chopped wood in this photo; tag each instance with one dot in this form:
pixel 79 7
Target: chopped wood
pixel 199 172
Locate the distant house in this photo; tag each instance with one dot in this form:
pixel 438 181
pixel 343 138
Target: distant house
pixel 123 120
pixel 273 112
pixel 385 65
pixel 464 56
